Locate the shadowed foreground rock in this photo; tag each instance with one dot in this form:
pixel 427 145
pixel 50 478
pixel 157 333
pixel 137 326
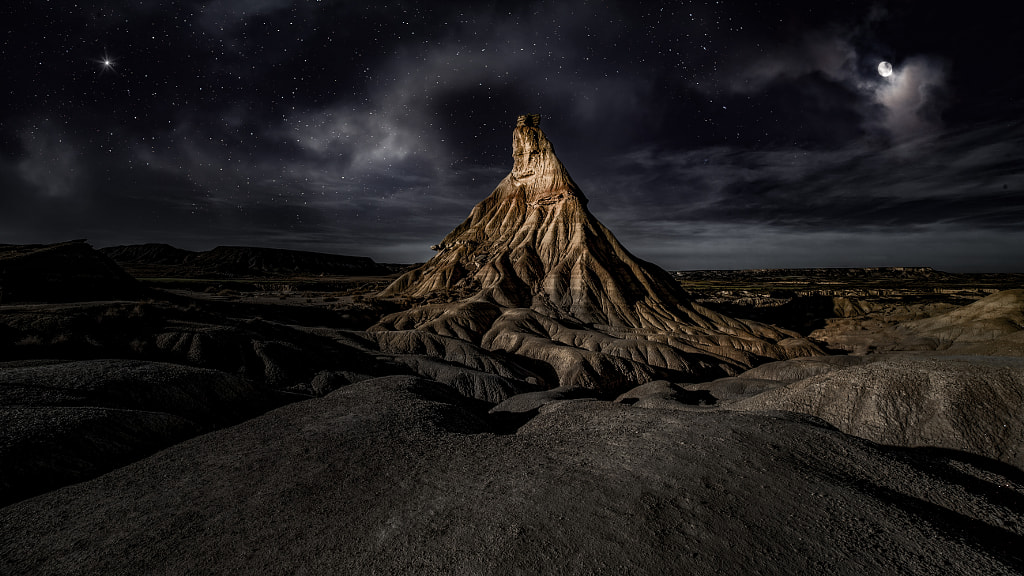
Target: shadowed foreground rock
pixel 87 387
pixel 398 476
pixel 969 403
pixel 68 421
pixel 534 274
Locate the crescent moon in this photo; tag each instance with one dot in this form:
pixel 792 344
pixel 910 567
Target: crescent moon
pixel 884 69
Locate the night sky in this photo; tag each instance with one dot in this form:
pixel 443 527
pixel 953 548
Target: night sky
pixel 705 134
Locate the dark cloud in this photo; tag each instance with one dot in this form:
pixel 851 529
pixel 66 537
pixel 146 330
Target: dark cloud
pixel 374 129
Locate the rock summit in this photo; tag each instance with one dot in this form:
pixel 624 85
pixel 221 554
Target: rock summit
pixel 534 274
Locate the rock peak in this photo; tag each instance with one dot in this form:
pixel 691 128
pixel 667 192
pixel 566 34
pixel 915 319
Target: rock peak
pixel 528 120
pixel 532 273
pixel 537 176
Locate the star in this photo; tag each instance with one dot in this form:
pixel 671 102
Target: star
pixel 107 63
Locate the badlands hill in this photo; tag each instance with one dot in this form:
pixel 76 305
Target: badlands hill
pixel 993 325
pixel 64 272
pixel 533 274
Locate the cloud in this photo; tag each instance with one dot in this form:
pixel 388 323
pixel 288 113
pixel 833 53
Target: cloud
pixel 904 106
pixel 913 97
pixel 356 141
pixel 223 16
pixel 966 177
pixel 829 53
pixel 52 164
pixel 742 246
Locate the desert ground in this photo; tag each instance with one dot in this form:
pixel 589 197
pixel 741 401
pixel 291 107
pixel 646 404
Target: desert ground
pixel 214 422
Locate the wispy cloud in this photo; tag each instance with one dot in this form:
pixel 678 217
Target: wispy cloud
pixel 968 177
pixel 913 97
pixel 52 164
pixel 906 105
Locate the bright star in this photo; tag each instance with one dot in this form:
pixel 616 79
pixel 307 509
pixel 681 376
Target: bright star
pixel 106 63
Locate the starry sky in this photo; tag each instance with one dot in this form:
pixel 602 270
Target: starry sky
pixel 713 134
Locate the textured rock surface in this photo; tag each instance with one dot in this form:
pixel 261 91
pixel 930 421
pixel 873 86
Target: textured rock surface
pixel 964 403
pixel 63 422
pixel 396 476
pixel 993 325
pixel 86 387
pixel 662 394
pixel 532 401
pixel 533 273
pixel 773 375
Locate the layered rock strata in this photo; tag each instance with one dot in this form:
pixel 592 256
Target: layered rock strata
pixel 534 274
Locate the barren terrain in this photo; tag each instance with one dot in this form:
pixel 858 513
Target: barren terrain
pixel 422 471
pixel 534 399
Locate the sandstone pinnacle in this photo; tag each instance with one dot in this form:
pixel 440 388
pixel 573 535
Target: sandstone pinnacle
pixel 532 272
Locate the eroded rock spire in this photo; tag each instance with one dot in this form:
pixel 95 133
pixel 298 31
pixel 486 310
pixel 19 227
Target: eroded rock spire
pixel 537 173
pixel 532 272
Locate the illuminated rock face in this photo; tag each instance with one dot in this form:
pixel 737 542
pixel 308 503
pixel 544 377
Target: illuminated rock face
pixel 533 273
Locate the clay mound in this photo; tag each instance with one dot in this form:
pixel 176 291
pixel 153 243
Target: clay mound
pixel 789 371
pixel 398 476
pixel 988 320
pixel 239 261
pixel 963 403
pixel 993 325
pixel 772 375
pixel 533 273
pixel 65 272
pixel 270 354
pixel 665 395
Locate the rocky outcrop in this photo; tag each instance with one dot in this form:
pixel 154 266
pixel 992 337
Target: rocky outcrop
pixel 968 403
pixel 534 274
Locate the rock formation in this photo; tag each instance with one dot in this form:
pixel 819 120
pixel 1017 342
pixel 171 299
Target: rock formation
pixel 992 326
pixel 968 403
pixel 64 272
pixel 533 273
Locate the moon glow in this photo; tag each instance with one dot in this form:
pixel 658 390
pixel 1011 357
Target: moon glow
pixel 884 69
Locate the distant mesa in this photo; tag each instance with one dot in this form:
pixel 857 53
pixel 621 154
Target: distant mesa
pixel 64 272
pixel 532 273
pixel 238 262
pixel 148 254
